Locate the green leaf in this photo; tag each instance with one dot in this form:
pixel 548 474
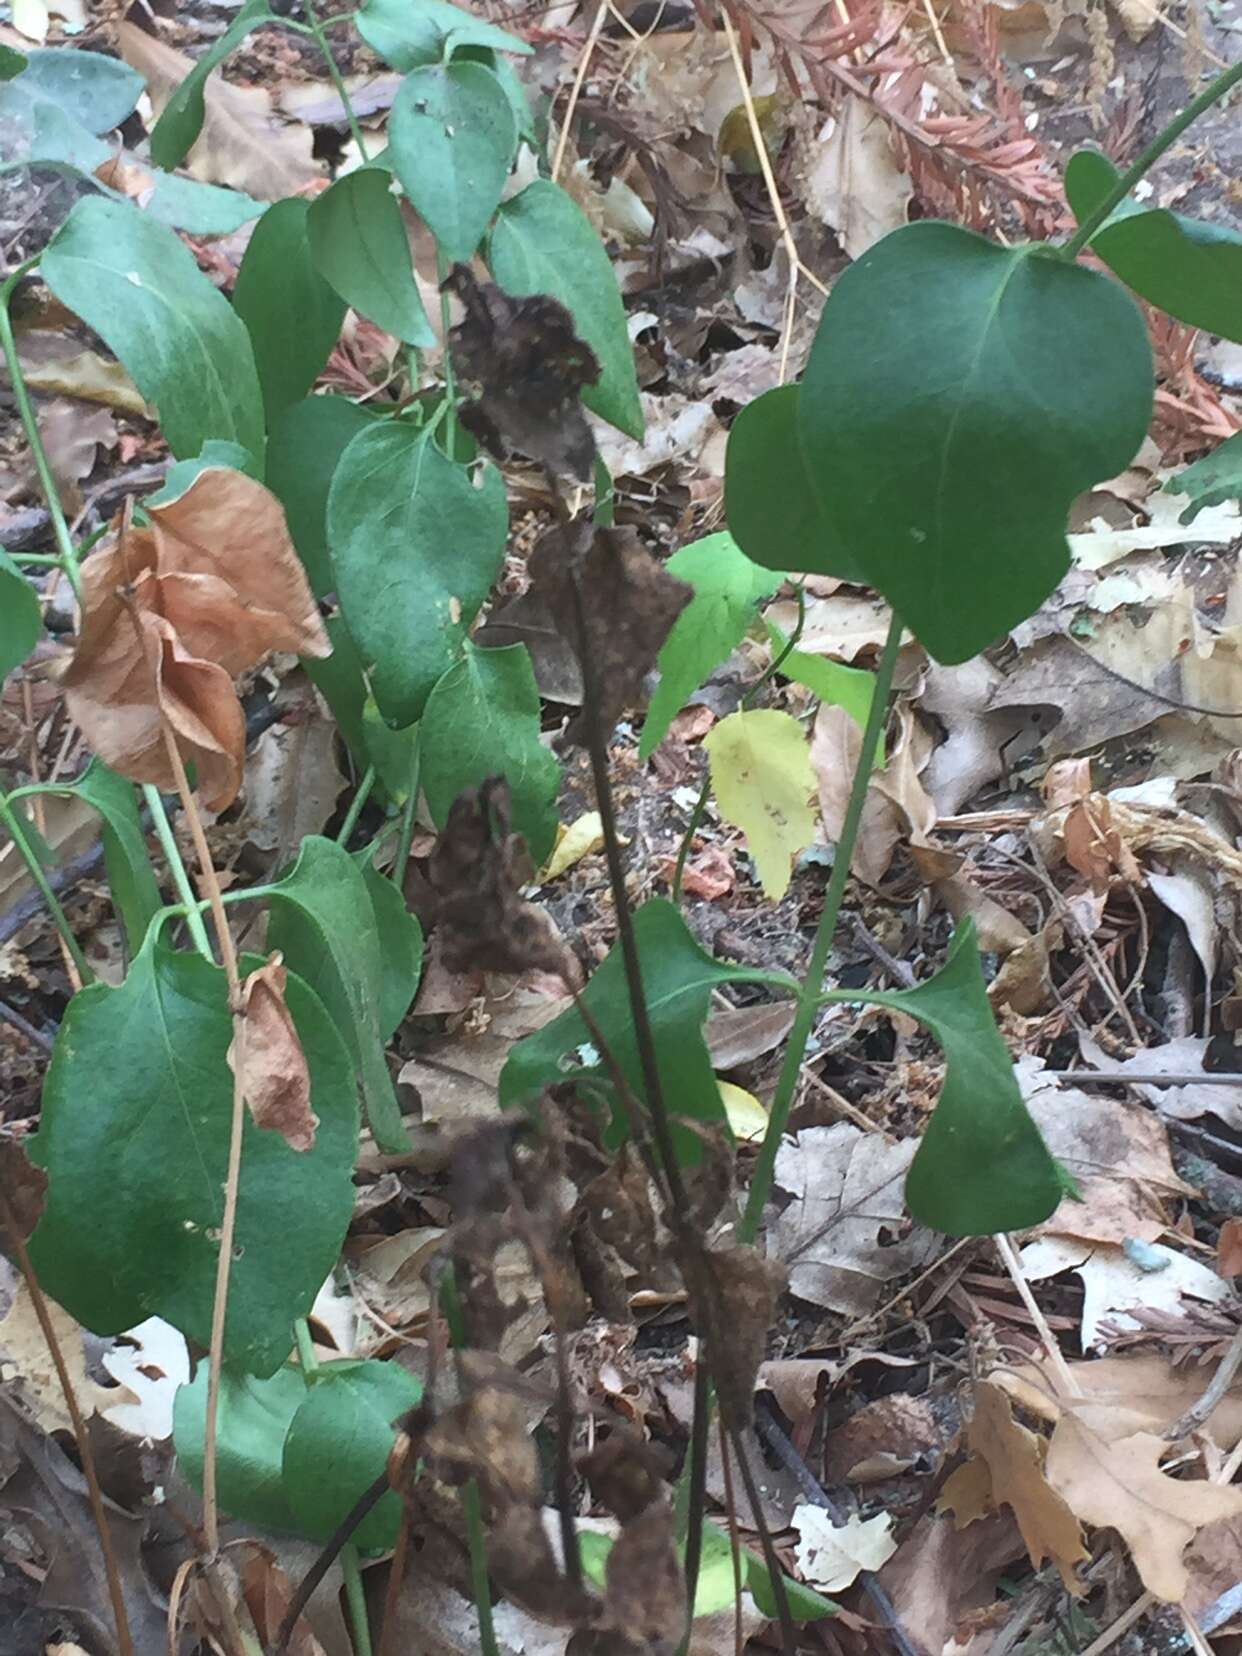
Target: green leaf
pixel 805 1604
pixel 339 680
pixel 321 921
pixel 982 1166
pixel 293 317
pixel 135 890
pixel 839 686
pixel 134 1137
pixel 359 245
pixel 215 455
pixel 95 91
pixel 415 547
pixel 182 119
pixel 958 397
pixel 678 978
pixel 12 62
pixel 392 752
pixel 763 783
pixel 252 1421
pixel 542 242
pixel 482 719
pixel 400 944
pixel 1212 480
pixel 771 506
pixel 138 286
pixel 410 33
pixel 714 1590
pixel 339 1443
pixel 1188 268
pixel 200 209
pixel 727 589
pixel 21 618
pixel 304 448
pixel 452 137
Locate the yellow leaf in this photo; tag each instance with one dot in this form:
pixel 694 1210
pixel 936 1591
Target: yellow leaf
pixel 746 1115
pixel 763 782
pixel 579 840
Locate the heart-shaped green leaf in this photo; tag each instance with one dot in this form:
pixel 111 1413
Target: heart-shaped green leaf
pixel 95 91
pixel 452 137
pixel 416 547
pixel 982 1166
pixel 138 1104
pixel 958 396
pixel 482 720
pixel 1188 268
pixel 359 245
pixel 410 33
pixel 185 348
pixel 773 511
pixel 181 119
pixel 400 944
pixel 21 618
pixel 542 242
pixel 304 448
pixel 252 1420
pixel 293 316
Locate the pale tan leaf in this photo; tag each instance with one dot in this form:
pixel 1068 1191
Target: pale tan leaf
pixel 275 1076
pixel 897 805
pixel 1113 1284
pixel 830 1555
pixel 55 363
pixel 1120 1485
pixel 1122 1395
pixel 854 183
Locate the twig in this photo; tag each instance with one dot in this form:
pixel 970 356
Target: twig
pixel 305 1591
pixel 1056 1357
pixel 776 1576
pixel 1097 1078
pixel 27 1030
pixel 1198 1412
pixel 575 91
pixel 735 1547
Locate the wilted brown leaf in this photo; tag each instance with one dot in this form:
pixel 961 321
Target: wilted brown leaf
pixel 24 1186
pixel 625 1473
pixel 645 1590
pixel 274 1073
pixel 734 1293
pixel 629 603
pixel 486 1436
pixel 897 805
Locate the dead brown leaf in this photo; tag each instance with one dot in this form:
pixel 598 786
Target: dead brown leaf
pixel 645 1590
pixel 897 805
pixel 734 1291
pixel 275 1076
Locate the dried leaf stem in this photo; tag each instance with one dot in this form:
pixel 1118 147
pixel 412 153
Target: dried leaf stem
pixel 125 1643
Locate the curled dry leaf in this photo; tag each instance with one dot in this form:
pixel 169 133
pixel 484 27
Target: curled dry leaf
pixel 644 1588
pixel 486 1436
pixel 171 614
pixel 629 603
pixel 24 1186
pixel 474 873
pixel 274 1073
pixel 734 1292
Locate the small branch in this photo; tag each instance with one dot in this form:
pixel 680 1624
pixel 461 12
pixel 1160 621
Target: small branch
pixel 1198 1413
pixel 575 91
pixel 784 1616
pixel 1017 1275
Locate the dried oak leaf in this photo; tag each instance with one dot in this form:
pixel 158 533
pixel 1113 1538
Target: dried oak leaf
pixel 531 368
pixel 474 874
pixel 275 1075
pixel 629 603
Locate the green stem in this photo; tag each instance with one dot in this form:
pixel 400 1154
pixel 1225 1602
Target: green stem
pixel 355 806
pixel 450 388
pixel 700 804
pixel 338 80
pixel 307 1360
pixel 67 558
pixel 1224 82
pixel 13 822
pixel 355 1595
pixel 52 558
pixel 408 815
pixel 808 995
pixel 190 907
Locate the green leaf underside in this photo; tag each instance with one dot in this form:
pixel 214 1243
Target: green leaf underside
pixel 252 1421
pixel 542 242
pixel 482 720
pixel 200 209
pixel 831 681
pixel 181 120
pixel 304 448
pixel 138 1104
pixel 982 1166
pixel 293 317
pixel 318 921
pixel 21 618
pixel 452 137
pixel 1186 267
pixel 392 752
pixel 1212 480
pixel 678 978
pixel 727 589
pixel 359 246
pixel 771 506
pixel 958 396
pixel 95 91
pixel 339 1443
pixel 186 350
pixel 410 33
pixel 415 548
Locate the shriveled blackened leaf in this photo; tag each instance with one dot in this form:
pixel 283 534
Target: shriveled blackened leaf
pixel 530 367
pixel 626 1473
pixel 24 1186
pixel 485 1437
pixel 733 1291
pixel 601 1272
pixel 710 1180
pixel 617 1204
pixel 629 603
pixel 520 1560
pixel 644 1588
pixel 474 874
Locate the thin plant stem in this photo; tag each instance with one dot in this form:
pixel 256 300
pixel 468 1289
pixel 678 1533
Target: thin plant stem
pixel 450 384
pixel 51 559
pixel 695 1484
pixel 700 804
pixel 125 1644
pixel 355 1595
pixel 1223 83
pixel 13 823
pixel 735 1548
pixel 408 814
pixel 67 558
pixel 307 1360
pixel 356 804
pixel 176 867
pixel 338 80
pixel 808 995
